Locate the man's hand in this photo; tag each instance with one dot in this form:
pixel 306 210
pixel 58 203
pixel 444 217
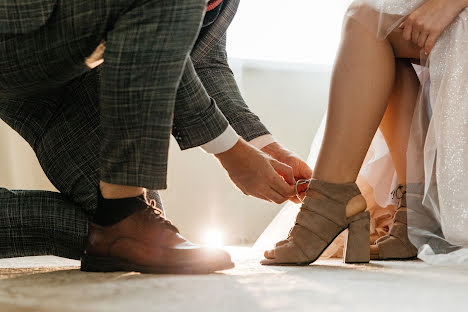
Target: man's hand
pixel 96 58
pixel 257 174
pixel 300 169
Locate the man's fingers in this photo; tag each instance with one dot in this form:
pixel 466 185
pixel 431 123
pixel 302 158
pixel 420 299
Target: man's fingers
pixel 283 188
pixel 260 195
pixel 274 196
pixel 302 188
pixel 285 171
pixel 295 200
pixel 306 171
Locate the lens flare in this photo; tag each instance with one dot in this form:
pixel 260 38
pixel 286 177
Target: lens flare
pixel 213 238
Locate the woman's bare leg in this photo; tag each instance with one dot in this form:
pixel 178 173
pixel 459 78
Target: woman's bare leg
pixel 396 122
pixel 395 127
pixel 361 86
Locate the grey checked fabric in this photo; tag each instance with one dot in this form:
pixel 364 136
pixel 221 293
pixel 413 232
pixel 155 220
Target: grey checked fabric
pixel 208 64
pixel 209 58
pixel 63 122
pixel 63 128
pixel 22 16
pixel 147 46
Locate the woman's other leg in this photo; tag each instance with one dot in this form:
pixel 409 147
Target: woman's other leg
pixel 395 127
pixel 396 122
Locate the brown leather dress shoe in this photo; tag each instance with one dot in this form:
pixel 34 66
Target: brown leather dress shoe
pixel 147 242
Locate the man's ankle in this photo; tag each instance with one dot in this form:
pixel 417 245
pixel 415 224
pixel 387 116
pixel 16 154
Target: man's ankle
pixel 114 191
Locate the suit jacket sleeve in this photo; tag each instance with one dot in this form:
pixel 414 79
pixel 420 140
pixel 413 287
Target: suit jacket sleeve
pixel 217 78
pixel 197 118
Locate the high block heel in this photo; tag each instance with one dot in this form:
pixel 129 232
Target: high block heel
pixel 322 217
pixel 357 249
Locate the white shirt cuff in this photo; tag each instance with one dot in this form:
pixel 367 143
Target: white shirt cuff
pixel 262 141
pixel 223 142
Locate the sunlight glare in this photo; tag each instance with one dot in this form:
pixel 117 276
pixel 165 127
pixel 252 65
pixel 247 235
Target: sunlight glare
pixel 213 238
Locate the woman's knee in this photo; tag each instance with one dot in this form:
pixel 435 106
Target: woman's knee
pixel 361 16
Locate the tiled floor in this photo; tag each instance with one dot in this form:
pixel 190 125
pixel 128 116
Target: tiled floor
pixel 53 284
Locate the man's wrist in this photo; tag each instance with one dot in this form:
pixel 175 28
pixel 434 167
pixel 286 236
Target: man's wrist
pixel 273 149
pixel 236 149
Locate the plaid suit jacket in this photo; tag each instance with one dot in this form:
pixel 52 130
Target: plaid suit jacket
pixel 209 59
pixel 22 16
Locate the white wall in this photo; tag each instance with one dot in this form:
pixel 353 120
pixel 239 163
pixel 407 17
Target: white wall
pixel 19 167
pixel 290 99
pixel 291 103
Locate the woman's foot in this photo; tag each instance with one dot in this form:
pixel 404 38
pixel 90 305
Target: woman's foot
pixel 327 210
pixel 396 244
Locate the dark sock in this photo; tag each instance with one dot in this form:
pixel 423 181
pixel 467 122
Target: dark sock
pixel 112 211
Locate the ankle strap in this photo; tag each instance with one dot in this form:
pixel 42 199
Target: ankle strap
pixel 338 192
pixel 400 193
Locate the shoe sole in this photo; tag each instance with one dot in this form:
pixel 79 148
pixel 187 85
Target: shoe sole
pixel 394 259
pixel 375 257
pixel 107 264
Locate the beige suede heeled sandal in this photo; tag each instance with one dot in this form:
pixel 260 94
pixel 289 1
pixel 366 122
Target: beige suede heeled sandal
pixel 396 244
pixel 322 217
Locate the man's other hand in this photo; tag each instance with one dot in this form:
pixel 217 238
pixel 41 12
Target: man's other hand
pixel 258 174
pixel 300 169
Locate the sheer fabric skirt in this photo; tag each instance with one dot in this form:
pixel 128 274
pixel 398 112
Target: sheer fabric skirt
pixel 437 157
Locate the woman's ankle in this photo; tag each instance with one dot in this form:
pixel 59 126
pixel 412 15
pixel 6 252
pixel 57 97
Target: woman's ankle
pixel 356 205
pixel 341 192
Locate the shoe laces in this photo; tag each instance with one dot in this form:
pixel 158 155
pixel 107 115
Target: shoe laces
pixel 398 192
pixel 158 215
pixel 300 182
